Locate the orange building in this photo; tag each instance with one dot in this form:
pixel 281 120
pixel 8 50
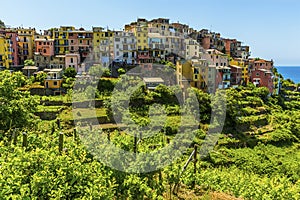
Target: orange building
pixel 44 46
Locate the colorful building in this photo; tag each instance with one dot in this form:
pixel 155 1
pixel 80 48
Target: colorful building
pixel 53 82
pixel 100 35
pixel 124 47
pixel 12 38
pixel 257 63
pixel 44 46
pixel 192 73
pixel 140 29
pixel 236 75
pixel 235 49
pixel 245 68
pixel 3 52
pixel 223 77
pixel 73 60
pixel 215 57
pixel 80 42
pixel 25 44
pixel 61 39
pixel 263 78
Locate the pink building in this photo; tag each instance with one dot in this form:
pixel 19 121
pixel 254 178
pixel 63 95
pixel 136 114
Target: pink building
pixel 73 60
pixel 80 42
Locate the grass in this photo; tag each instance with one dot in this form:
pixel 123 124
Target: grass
pixel 42 108
pixel 82 113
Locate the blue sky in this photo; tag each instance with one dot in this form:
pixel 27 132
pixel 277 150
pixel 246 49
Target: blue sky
pixel 270 27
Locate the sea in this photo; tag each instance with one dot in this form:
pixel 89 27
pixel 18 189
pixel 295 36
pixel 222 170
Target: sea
pixel 292 73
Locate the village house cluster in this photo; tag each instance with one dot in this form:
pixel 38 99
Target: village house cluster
pixel 203 59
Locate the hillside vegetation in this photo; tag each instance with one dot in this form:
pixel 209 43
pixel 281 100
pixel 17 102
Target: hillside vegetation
pixel 256 157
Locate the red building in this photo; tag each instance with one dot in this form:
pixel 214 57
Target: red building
pixel 262 78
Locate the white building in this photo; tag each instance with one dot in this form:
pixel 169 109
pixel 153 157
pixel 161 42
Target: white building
pixel 124 47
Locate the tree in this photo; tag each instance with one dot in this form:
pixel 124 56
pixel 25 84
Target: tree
pixel 70 72
pixel 2 25
pixel 29 62
pixel 40 77
pixel 17 108
pixel 121 71
pixel 96 70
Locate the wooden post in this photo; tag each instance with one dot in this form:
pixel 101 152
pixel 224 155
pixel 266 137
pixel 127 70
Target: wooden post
pixel 24 143
pixel 58 123
pixel 61 142
pixel 53 129
pixel 75 134
pixel 195 163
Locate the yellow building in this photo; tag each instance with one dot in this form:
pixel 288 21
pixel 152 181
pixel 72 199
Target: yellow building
pixel 140 30
pixel 5 52
pixel 99 35
pixel 2 51
pixel 53 82
pixel 241 63
pixel 192 73
pixel 61 39
pixel 25 43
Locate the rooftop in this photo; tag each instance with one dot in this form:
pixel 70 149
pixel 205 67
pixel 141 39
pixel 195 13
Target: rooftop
pixel 153 80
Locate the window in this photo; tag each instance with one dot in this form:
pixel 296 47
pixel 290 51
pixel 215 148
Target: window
pixel 257 74
pixel 72 60
pixel 40 43
pixel 45 51
pixel 55 83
